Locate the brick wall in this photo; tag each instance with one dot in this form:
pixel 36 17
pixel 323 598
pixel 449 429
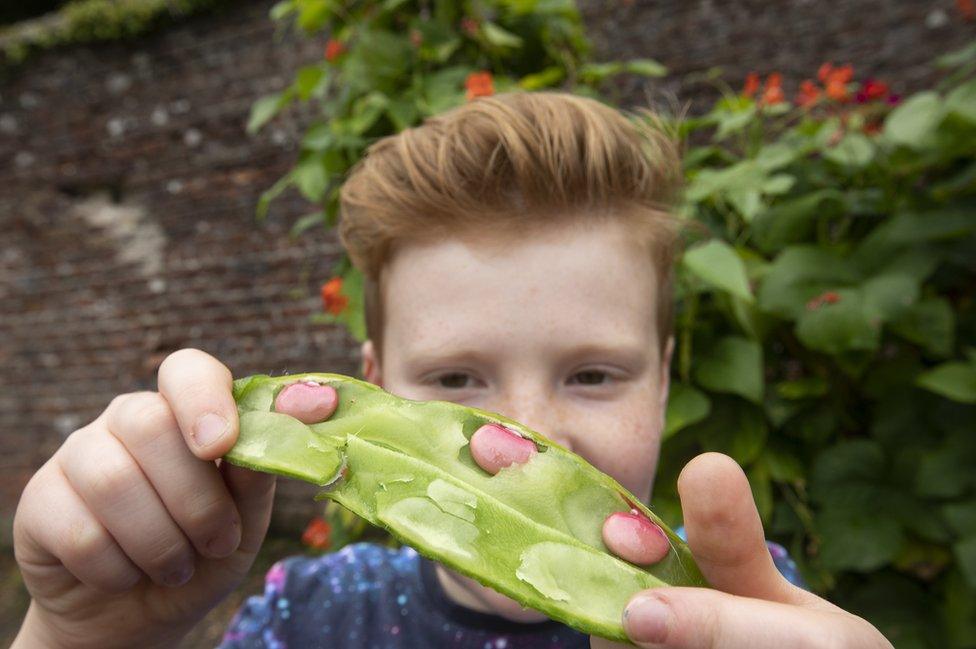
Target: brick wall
pixel 127 193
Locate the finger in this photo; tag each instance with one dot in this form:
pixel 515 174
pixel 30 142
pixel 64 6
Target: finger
pixel 709 619
pixel 191 489
pixel 117 493
pixel 198 389
pixel 58 540
pixel 254 494
pixel 725 533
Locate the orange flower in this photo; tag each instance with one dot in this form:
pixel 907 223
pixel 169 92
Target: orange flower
pixel 333 301
pixel 318 534
pixel 809 93
pixel 751 85
pixel 837 91
pixel 333 50
pixel 773 92
pixel 479 84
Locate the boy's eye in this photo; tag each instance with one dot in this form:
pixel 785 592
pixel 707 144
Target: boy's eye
pixel 589 377
pixel 454 380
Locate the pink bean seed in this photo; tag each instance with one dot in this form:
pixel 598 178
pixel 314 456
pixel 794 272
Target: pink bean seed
pixel 634 538
pixel 495 447
pixel 307 401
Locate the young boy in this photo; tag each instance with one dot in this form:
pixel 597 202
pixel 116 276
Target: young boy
pixel 518 254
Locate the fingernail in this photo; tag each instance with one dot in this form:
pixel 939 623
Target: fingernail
pixel 225 543
pixel 646 619
pixel 209 428
pixel 179 577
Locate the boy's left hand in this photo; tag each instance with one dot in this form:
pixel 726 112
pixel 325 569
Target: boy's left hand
pixel 752 605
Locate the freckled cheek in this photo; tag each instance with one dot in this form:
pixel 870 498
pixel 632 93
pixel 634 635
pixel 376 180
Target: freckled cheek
pixel 627 451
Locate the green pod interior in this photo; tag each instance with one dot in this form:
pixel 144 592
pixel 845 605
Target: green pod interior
pixel 532 532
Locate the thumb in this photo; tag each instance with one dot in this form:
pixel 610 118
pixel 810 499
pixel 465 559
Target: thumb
pixel 725 533
pixel 700 618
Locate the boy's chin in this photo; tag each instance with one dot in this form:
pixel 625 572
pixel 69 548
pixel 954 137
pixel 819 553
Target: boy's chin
pixel 469 593
pixel 507 607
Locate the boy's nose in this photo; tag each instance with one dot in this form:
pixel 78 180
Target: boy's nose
pixel 539 414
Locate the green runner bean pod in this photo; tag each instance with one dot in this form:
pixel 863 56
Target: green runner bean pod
pixel 532 531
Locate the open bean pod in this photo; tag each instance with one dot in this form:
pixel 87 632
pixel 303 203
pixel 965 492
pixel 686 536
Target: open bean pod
pixel 532 531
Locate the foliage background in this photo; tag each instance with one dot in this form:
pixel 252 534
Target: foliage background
pixel 826 329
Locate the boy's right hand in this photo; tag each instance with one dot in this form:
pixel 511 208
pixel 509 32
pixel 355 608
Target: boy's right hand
pixel 131 532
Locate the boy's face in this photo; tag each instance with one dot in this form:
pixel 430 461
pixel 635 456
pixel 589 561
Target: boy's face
pixel 555 330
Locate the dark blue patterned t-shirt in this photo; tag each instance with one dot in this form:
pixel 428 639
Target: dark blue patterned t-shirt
pixel 372 597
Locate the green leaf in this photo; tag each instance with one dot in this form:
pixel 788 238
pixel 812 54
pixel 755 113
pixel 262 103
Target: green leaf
pixel 733 365
pixel 846 470
pixel 800 273
pixel 268 195
pixel 953 380
pixel 962 100
pixel 310 178
pixel 913 123
pixel 307 221
pixel 855 150
pixel 402 113
pixel 840 327
pixel 929 323
pixel 594 72
pixel 943 473
pixel 686 405
pixel 498 36
pixel 793 220
pixel 645 67
pixel 718 265
pixel 782 465
pixel 735 428
pixel 544 79
pixel 805 388
pixel 860 543
pixel 310 82
pixel 266 108
pixel 778 184
pixel 960 608
pixel 762 490
pixel 444 89
pixel 965 552
pixel 888 296
pixel 961 517
pixel 366 111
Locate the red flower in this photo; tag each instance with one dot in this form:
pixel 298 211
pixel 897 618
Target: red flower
pixel 479 84
pixel 773 92
pixel 751 85
pixel 829 297
pixel 318 534
pixel 874 89
pixel 333 50
pixel 333 301
pixel 809 93
pixel 967 8
pixel 470 26
pixel 872 128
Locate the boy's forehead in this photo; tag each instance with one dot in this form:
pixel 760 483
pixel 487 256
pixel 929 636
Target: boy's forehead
pixel 565 281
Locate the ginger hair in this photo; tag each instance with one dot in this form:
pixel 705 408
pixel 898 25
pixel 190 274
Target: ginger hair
pixel 507 164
